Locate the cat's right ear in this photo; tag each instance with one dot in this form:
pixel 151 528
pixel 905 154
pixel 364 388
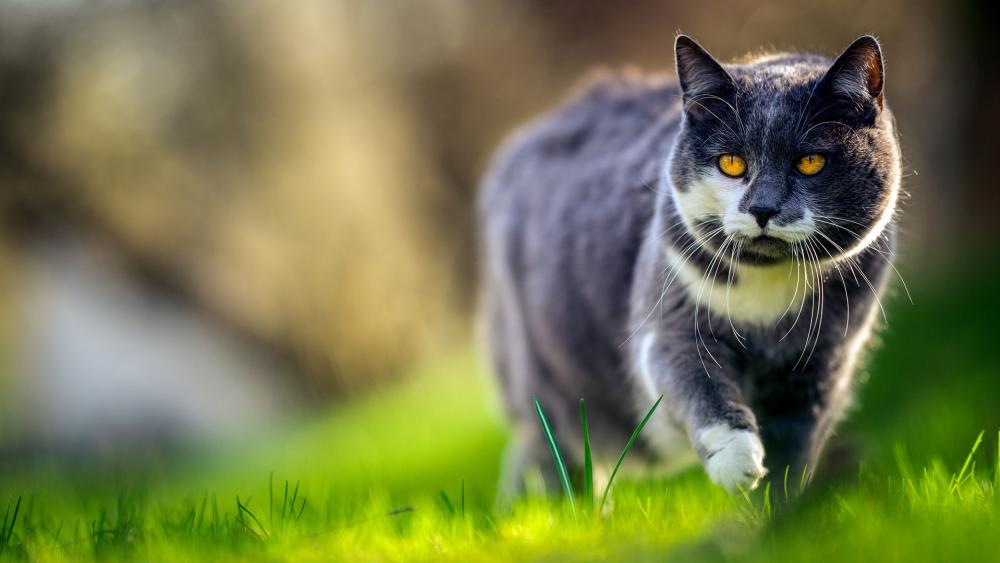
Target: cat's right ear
pixel 854 83
pixel 702 78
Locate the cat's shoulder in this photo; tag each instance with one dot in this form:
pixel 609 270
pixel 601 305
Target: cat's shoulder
pixel 604 115
pixel 603 104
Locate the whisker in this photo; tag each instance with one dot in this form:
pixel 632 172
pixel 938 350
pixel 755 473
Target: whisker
pixel 711 292
pixel 849 128
pixel 735 266
pixel 805 108
pixel 813 311
pixel 822 303
pixel 696 101
pixel 843 282
pixel 697 310
pixel 686 254
pixel 795 258
pixel 805 288
pixel 884 253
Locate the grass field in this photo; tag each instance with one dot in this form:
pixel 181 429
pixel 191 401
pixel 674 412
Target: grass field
pixel 408 473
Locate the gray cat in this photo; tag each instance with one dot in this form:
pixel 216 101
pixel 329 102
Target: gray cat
pixel 721 240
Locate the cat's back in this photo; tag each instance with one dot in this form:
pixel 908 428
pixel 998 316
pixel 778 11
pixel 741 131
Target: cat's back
pixel 589 166
pixel 605 117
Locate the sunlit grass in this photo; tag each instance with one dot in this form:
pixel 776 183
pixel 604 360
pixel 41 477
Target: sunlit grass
pixel 326 500
pixel 408 473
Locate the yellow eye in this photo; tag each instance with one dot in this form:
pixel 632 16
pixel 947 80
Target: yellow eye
pixel 732 165
pixel 810 164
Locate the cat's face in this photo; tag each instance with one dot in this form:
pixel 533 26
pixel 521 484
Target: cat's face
pixel 784 157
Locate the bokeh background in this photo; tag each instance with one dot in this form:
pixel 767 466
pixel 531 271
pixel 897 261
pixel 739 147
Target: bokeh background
pixel 219 217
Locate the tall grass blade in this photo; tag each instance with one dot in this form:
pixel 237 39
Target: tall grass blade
pixel 302 509
pixel 996 470
pixel 957 480
pixel 291 503
pixel 588 462
pixel 270 498
pixel 628 446
pixel 784 483
pixel 748 506
pixel 903 463
pixel 245 509
pixel 557 457
pixel 767 509
pixel 447 502
pixel 7 531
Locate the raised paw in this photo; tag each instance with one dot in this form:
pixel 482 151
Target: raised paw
pixel 734 458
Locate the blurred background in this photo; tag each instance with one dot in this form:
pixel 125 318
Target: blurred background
pixel 215 216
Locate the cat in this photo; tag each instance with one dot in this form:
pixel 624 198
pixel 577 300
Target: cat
pixel 721 240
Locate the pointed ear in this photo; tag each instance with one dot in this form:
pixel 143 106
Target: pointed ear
pixel 857 78
pixel 700 75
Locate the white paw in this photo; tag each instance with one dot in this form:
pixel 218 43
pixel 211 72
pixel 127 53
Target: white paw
pixel 734 458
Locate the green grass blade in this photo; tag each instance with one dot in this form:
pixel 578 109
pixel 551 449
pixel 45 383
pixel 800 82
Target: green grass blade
pixel 628 446
pixel 245 509
pixel 7 535
pixel 588 463
pixel 557 457
pixel 270 498
pixel 748 507
pixel 291 502
pixel 284 501
pixel 903 463
pixel 957 480
pixel 447 502
pixel 302 509
pixel 784 483
pixel 767 509
pixel 996 474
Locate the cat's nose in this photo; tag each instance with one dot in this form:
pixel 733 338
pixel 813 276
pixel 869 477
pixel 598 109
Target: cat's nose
pixel 763 213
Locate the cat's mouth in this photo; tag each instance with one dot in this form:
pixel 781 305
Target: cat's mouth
pixel 761 249
pixel 764 249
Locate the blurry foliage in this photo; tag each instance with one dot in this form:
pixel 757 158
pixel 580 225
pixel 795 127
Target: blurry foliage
pixel 7 380
pixel 260 165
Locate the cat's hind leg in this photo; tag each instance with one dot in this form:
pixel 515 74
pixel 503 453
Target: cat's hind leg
pixel 527 468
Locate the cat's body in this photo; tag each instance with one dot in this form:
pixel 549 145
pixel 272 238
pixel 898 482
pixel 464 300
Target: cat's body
pixel 596 289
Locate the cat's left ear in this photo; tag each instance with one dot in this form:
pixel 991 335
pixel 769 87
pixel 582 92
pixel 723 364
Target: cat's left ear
pixel 857 77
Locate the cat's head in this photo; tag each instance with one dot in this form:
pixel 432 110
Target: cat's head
pixel 785 153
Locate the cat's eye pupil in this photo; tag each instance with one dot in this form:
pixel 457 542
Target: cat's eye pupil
pixel 732 165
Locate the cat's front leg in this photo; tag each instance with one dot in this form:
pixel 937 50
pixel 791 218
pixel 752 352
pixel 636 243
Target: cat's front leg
pixel 797 411
pixel 707 403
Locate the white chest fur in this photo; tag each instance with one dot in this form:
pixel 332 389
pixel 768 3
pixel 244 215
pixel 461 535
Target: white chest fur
pixel 760 295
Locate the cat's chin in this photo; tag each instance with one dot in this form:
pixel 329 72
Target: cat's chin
pixel 765 251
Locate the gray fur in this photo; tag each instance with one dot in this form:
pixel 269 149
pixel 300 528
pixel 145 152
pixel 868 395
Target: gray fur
pixel 579 209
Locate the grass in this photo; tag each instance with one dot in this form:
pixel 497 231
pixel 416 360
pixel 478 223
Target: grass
pixel 926 513
pixel 557 457
pixel 408 473
pixel 588 465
